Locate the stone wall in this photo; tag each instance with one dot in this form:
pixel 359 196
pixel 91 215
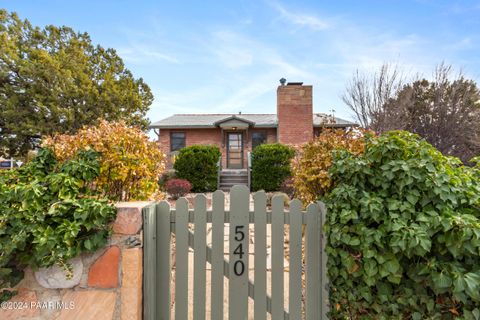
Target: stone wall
pixel 106 284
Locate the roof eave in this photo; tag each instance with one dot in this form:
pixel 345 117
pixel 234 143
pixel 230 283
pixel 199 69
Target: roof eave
pixel 180 126
pixel 265 126
pixel 217 123
pixel 335 125
pixel 203 126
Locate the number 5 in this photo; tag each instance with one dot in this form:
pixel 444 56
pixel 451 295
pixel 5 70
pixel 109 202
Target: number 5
pixel 239 234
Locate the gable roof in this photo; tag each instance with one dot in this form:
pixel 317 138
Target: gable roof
pixel 234 117
pixel 184 121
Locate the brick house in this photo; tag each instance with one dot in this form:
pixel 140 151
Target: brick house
pixel 237 134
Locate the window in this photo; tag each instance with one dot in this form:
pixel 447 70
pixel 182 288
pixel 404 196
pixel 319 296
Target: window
pixel 177 141
pixel 258 138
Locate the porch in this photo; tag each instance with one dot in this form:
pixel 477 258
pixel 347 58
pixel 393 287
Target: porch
pixel 228 177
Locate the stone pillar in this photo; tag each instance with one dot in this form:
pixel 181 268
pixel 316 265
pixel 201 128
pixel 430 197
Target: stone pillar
pixel 106 284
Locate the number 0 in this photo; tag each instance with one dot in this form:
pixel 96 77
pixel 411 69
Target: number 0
pixel 236 267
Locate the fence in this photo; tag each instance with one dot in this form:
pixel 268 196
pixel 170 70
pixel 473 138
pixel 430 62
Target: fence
pixel 305 231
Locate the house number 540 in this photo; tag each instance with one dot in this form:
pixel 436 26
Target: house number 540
pixel 239 265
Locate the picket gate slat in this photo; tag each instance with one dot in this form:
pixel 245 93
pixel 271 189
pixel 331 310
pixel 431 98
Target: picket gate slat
pixel 181 262
pixel 260 258
pixel 238 253
pixel 323 267
pixel 150 261
pixel 295 261
pixel 313 263
pixel 305 228
pixel 277 257
pixel 163 263
pixel 200 256
pixel 218 215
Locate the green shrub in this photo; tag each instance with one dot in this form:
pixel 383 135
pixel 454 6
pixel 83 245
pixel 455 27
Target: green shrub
pixel 165 177
pixel 403 233
pixel 198 164
pixel 270 166
pixel 49 214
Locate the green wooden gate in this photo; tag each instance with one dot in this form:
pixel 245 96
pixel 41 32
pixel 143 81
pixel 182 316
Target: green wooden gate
pixel 189 227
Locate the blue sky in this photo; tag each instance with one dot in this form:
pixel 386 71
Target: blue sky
pixel 227 56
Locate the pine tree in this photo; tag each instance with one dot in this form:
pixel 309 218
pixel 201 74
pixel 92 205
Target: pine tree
pixel 54 79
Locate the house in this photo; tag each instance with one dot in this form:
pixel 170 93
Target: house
pixel 237 134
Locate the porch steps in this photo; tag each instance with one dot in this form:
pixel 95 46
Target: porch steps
pixel 230 178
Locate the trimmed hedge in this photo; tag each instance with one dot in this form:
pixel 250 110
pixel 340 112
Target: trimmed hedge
pixel 403 233
pixel 270 166
pixel 198 164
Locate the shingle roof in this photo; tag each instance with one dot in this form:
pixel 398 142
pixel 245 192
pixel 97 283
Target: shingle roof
pixel 260 120
pixel 323 119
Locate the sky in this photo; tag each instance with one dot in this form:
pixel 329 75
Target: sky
pixel 228 56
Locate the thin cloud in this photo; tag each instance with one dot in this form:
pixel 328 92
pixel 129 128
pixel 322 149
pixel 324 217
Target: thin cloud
pixel 357 48
pixel 226 48
pixel 137 53
pixel 258 67
pixel 463 44
pixel 243 68
pixel 250 52
pixel 300 19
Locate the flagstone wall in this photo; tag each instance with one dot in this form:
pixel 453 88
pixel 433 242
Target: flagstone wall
pixel 106 284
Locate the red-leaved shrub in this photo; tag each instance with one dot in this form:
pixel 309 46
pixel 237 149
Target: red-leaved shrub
pixel 287 187
pixel 177 188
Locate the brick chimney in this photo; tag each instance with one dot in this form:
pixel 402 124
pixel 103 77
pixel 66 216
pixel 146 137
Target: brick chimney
pixel 294 113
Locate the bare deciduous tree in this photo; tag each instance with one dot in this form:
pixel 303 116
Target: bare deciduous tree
pixel 366 95
pixel 445 110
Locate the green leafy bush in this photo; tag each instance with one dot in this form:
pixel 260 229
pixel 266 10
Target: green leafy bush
pixel 165 177
pixel 403 231
pixel 49 214
pixel 198 164
pixel 270 166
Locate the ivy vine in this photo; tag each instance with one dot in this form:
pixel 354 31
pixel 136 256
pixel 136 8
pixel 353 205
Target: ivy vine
pixel 49 214
pixel 403 231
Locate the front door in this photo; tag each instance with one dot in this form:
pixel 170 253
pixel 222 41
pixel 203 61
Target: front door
pixel 234 150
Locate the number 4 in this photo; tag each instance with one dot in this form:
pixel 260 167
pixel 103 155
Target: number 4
pixel 239 250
